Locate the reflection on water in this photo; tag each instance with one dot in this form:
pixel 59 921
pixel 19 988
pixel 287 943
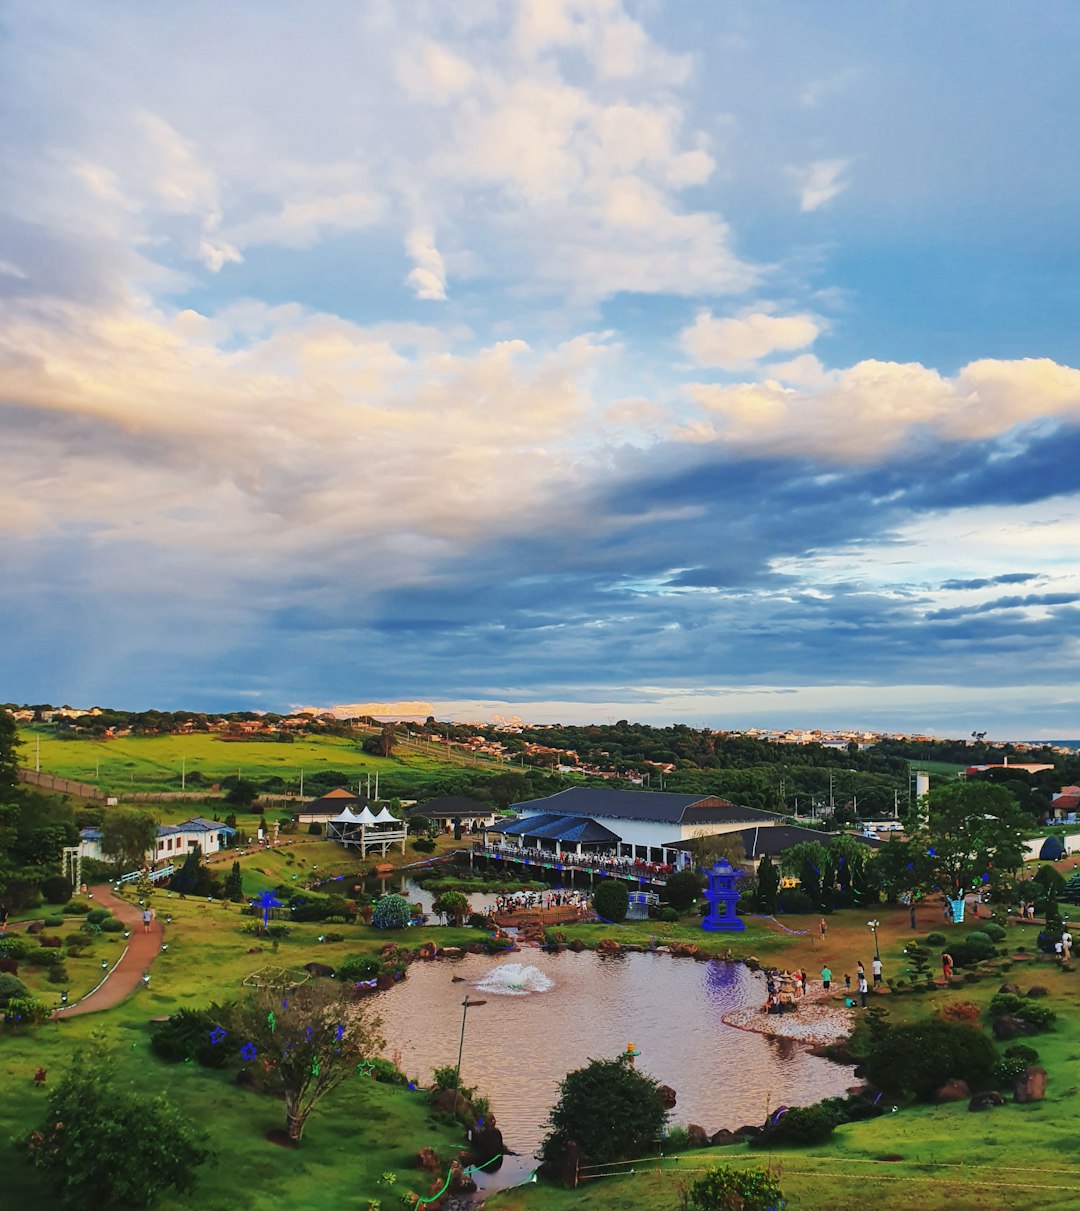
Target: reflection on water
pixel 518 1048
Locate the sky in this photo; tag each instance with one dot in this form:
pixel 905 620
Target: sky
pixel 567 359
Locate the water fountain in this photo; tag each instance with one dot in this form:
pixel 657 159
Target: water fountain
pixel 514 980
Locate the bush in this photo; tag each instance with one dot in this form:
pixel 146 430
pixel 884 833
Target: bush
pixel 1006 1072
pixel 43 957
pixel 387 1073
pixel 667 914
pixel 22 1012
pixel 1024 1008
pixel 392 912
pixel 424 845
pixel 58 974
pixel 477 920
pixel 1021 1051
pixel 333 937
pixel 973 949
pixel 55 922
pixel 797 1126
pixel 611 901
pixel 314 829
pixel 57 889
pixel 966 1012
pixel 97 915
pixel 112 925
pixel 936 939
pixel 189 1035
pixel 678 1140
pixel 77 943
pixel 12 947
pixel 922 1056
pixel 11 986
pixel 683 888
pixel 724 1188
pixel 358 967
pixel 794 899
pixel 90 929
pixel 994 932
pixel 77 909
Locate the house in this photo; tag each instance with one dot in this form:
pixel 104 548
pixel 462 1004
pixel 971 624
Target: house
pixel 453 811
pixel 1065 804
pixel 174 841
pixel 325 808
pixel 649 826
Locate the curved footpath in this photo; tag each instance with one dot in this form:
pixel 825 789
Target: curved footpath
pixel 126 975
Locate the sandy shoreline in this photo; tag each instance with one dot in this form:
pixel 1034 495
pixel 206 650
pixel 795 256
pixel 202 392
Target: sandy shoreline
pixel 815 1024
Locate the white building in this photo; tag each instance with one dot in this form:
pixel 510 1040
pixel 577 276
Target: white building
pixel 174 841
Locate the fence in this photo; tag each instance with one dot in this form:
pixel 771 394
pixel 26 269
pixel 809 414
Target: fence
pixel 51 782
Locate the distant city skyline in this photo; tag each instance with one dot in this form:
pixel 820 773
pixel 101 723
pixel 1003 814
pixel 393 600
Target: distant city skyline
pixel 560 358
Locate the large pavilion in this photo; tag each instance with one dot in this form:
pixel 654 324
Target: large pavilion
pixel 366 831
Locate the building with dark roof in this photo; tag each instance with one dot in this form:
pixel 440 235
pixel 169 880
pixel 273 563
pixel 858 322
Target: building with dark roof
pixel 456 809
pixel 776 840
pixel 332 804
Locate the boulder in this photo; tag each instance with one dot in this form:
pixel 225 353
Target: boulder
pixel 487 1143
pixel 319 970
pixel 451 952
pixel 460 1181
pixel 723 1137
pixel 986 1101
pixel 684 949
pixel 426 951
pixel 667 1096
pixel 608 946
pixel 699 1137
pixel 385 980
pixel 1014 989
pixel 1036 990
pixel 427 1159
pixel 577 946
pixel 9 966
pixel 1030 1085
pixel 952 1091
pixel 35 927
pixel 1007 1026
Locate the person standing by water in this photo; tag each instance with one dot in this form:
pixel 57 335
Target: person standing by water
pixel 862 989
pixel 826 978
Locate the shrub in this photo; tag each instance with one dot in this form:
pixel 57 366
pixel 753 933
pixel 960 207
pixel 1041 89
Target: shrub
pixel 358 967
pixel 55 922
pixel 683 888
pixel 56 889
pixel 424 845
pixel 90 929
pixel 22 1012
pixel 12 947
pixel 994 932
pixel 724 1188
pixel 667 914
pixel 387 1073
pixel 1021 1051
pixel 97 915
pixel 112 925
pixel 919 1057
pixel 11 986
pixel 392 912
pixel 966 1012
pixel 799 1125
pixel 58 974
pixel 611 901
pixel 77 943
pixel 973 949
pixel 936 939
pixel 793 899
pixel 43 957
pixel 278 932
pixel 1006 1071
pixel 314 829
pixel 333 937
pixel 477 920
pixel 1038 1015
pixel 77 909
pixel 189 1034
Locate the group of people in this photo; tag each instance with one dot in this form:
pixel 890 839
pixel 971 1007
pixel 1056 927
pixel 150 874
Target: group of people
pixel 520 901
pixel 595 861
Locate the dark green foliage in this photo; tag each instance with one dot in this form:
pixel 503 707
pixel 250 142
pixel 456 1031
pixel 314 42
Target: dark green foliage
pixel 242 793
pixel 186 1036
pixel 936 939
pixel 683 888
pixel 726 1188
pixel 920 1057
pixel 794 899
pixel 422 826
pixel 103 1146
pixel 56 889
pixel 58 974
pixel 43 957
pixel 11 986
pixel 194 877
pixel 1006 1071
pixel 1021 1051
pixel 973 949
pixel 12 947
pixel 799 1125
pixel 994 932
pixel 768 885
pixel 1025 1008
pixel 611 901
pixel 127 837
pixel 667 914
pixel 234 884
pixel 78 943
pixel 55 922
pixel 610 1109
pixel 314 829
pixel 392 912
pixel 112 925
pixel 96 915
pixel 358 967
pixel 1071 894
pixel 387 1073
pixel 424 845
pixel 78 909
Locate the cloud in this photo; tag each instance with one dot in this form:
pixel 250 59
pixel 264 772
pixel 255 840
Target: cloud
pixel 986 581
pixel 820 182
pixel 872 409
pixel 1006 603
pixel 428 278
pixel 736 344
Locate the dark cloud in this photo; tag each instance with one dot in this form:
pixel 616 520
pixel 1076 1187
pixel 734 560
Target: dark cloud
pixel 985 582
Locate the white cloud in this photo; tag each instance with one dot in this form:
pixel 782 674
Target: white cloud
pixel 820 182
pixel 737 343
pixel 868 411
pixel 428 278
pixel 430 72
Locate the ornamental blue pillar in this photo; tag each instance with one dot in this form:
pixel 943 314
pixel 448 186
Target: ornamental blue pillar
pixel 722 895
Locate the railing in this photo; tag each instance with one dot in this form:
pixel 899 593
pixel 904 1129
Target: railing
pixel 655 873
pixel 155 876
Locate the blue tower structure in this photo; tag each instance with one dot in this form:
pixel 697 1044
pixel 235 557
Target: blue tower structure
pixel 722 895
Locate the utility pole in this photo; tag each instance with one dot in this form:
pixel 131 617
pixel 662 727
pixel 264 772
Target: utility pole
pixel 301 784
pixel 37 758
pixel 183 773
pixel 376 786
pixel 832 804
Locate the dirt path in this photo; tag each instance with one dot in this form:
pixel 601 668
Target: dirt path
pixel 122 979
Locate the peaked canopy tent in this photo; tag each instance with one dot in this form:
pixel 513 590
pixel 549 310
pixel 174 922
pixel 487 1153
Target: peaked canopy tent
pixel 365 831
pixel 558 834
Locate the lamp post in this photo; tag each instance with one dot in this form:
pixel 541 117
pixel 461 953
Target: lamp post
pixel 466 1005
pixel 873 925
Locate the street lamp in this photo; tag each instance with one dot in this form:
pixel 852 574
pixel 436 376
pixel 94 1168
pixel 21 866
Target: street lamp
pixel 466 1005
pixel 873 925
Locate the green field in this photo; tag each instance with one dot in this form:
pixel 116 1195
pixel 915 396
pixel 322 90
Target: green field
pixel 158 763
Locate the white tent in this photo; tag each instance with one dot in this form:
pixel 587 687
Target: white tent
pixel 384 817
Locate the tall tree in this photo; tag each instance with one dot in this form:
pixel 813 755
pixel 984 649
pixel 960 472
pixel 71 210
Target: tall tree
pixel 127 837
pixel 306 1040
pixel 768 884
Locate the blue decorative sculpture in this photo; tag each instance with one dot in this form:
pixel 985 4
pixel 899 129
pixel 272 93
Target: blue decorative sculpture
pixel 266 900
pixel 722 895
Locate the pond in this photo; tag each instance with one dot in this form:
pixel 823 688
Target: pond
pixel 547 1014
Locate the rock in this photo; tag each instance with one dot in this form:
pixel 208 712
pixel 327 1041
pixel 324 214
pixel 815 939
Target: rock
pixel 385 980
pixel 1030 1085
pixel 427 951
pixel 687 950
pixel 752 963
pixel 450 952
pixel 457 979
pixel 699 1137
pixel 1009 1027
pixel 9 967
pixel 254 950
pixel 1036 990
pixel 388 949
pixel 319 970
pixel 667 1096
pixel 577 946
pixel 724 1137
pixel 608 946
pixel 427 1159
pixel 1014 989
pixel 952 1091
pixel 487 1143
pixel 986 1101
pixel 35 927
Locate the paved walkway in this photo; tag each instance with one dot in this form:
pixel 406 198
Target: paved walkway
pixel 126 975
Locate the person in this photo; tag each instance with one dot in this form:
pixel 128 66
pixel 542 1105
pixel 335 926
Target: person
pixel 847 981
pixel 946 964
pixel 876 968
pixel 860 970
pixel 805 977
pixel 1031 910
pixel 826 977
pixel 146 920
pixel 823 928
pixel 1066 946
pixel 1059 948
pixel 862 990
